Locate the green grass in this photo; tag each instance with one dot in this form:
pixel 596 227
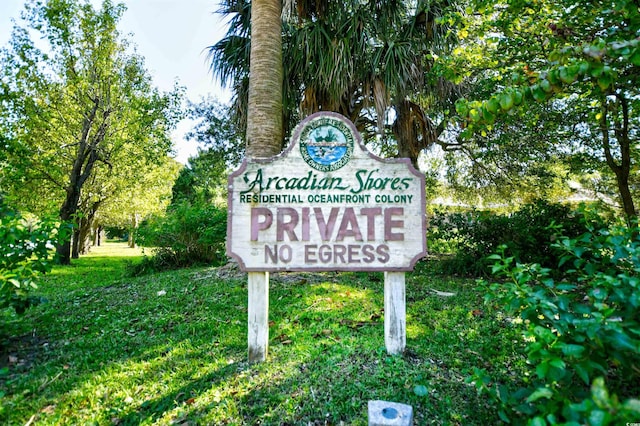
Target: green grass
pixel 170 348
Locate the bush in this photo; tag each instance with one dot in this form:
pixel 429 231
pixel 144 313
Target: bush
pixel 25 253
pixel 527 235
pixel 582 331
pixel 189 234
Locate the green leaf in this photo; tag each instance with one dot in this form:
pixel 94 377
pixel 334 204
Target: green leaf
pixel 596 70
pixel 584 67
pixel 579 251
pixel 574 71
pixel 623 341
pixel 635 57
pixel 632 405
pixel 599 393
pixel 537 421
pixel 538 93
pixel 572 350
pixel 604 81
pixel 567 75
pixel 492 105
pixel 518 97
pixel 487 115
pixel 506 101
pixel 462 107
pixel 542 369
pixel 475 115
pixel 503 416
pixel 598 418
pixel 558 363
pixel 540 393
pixel 545 85
pixel 582 373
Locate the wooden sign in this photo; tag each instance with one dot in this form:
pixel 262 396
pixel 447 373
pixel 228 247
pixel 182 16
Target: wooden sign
pixel 326 203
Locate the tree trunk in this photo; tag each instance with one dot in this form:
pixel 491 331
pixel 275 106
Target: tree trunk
pixel 86 157
pixel 84 237
pixel 625 195
pixel 413 131
pixel 618 112
pixel 67 215
pixel 96 229
pixel 264 119
pixel 79 232
pixel 264 139
pixel 86 225
pixel 133 229
pixel 94 234
pixel 622 135
pixel 75 244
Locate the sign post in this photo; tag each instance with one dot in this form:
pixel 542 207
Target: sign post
pixel 395 312
pixel 326 204
pixel 258 315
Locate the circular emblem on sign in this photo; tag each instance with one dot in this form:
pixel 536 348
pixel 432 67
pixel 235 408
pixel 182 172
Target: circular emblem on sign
pixel 326 144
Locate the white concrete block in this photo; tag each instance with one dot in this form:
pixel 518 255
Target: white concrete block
pixel 385 413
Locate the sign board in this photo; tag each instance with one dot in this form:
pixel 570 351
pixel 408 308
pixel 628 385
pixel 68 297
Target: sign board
pixel 326 203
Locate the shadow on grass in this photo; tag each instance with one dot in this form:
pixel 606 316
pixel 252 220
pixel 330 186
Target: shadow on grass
pixel 165 348
pixel 65 348
pixel 155 408
pixel 330 360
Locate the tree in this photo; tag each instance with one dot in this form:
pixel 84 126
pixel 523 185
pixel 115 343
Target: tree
pixel 264 116
pixel 583 58
pixel 514 161
pixel 360 59
pixel 264 139
pixel 204 179
pixel 374 63
pixel 136 192
pixel 77 102
pixel 229 58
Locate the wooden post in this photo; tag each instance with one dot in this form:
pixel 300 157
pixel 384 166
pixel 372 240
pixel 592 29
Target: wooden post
pixel 395 313
pixel 258 315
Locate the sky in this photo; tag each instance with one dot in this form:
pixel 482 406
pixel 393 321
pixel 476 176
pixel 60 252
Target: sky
pixel 172 35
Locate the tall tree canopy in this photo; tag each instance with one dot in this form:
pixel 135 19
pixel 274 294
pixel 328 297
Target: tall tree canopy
pixel 395 68
pixel 361 59
pixel 141 189
pixel 73 97
pixel 581 59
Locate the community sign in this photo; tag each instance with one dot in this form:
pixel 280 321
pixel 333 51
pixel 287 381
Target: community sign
pixel 326 203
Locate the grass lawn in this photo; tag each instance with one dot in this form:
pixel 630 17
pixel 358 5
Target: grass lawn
pixel 171 348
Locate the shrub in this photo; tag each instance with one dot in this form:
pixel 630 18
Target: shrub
pixel 25 253
pixel 582 331
pixel 189 234
pixel 527 234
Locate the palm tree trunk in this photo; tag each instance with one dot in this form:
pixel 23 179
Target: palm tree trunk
pixel 264 139
pixel 264 120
